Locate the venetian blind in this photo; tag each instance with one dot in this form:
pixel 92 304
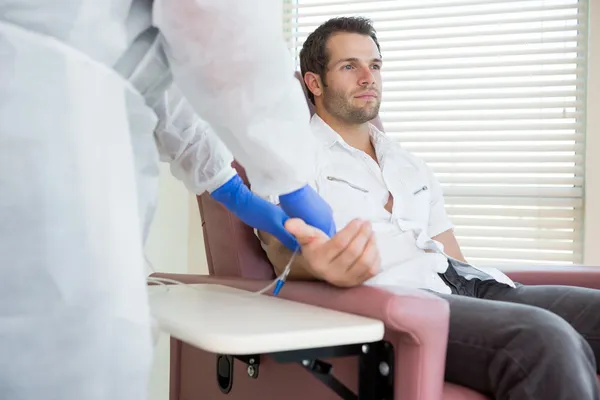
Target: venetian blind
pixel 491 94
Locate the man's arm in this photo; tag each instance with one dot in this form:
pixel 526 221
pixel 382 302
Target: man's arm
pixel 348 259
pixel 279 256
pixel 451 246
pixel 440 227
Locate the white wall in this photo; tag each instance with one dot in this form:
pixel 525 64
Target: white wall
pixel 196 254
pixel 174 245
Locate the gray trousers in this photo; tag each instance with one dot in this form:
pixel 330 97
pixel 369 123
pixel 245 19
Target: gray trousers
pixel 529 342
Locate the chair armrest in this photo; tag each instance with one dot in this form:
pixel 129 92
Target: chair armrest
pixel 570 275
pixel 416 324
pixel 417 313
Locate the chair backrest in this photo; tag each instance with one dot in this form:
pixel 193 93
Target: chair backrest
pixel 232 249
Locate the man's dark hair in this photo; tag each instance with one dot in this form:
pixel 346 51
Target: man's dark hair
pixel 314 56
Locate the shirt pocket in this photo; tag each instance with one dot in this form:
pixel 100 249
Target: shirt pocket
pixel 335 178
pixel 346 193
pixel 415 203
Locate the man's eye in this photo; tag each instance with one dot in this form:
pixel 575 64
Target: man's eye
pixel 376 66
pixel 347 66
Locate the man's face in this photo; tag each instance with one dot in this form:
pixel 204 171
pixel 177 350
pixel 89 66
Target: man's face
pixel 352 90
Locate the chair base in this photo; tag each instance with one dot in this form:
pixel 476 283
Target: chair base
pixel 284 376
pixel 375 369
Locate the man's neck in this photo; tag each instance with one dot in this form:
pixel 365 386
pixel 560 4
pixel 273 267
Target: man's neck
pixel 356 135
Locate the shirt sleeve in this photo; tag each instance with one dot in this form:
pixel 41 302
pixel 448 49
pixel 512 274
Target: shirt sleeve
pixel 438 219
pixel 230 59
pixel 196 155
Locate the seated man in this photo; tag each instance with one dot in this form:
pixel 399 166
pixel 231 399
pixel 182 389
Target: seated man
pixel 506 340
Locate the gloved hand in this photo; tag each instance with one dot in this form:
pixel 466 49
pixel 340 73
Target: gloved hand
pixel 254 211
pixel 307 205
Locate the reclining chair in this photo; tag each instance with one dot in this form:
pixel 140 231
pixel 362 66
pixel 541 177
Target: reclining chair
pixel 416 324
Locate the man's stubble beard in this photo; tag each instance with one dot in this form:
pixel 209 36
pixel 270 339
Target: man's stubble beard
pixel 337 105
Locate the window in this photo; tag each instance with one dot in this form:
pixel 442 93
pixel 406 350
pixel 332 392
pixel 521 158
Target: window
pixel 491 94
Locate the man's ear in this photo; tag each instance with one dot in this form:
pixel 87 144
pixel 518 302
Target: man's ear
pixel 313 83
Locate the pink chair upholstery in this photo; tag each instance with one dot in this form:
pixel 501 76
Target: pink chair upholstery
pixel 416 324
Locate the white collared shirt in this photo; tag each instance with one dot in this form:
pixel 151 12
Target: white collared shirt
pixel 356 186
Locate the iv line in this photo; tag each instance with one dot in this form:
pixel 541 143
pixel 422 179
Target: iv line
pixel 278 282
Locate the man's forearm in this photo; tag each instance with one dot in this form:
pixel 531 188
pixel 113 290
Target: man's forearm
pixel 451 246
pixel 279 256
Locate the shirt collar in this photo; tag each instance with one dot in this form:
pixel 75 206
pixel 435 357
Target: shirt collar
pixel 330 137
pixel 324 132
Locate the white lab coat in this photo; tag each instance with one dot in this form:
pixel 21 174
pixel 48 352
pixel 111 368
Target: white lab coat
pixel 80 86
pixel 195 154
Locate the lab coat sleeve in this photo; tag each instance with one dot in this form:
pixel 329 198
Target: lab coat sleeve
pixel 438 219
pixel 231 61
pixel 196 155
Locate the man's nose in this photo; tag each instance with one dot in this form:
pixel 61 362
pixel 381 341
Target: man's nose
pixel 366 77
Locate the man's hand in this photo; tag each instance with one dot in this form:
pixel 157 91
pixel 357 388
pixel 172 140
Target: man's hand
pixel 347 259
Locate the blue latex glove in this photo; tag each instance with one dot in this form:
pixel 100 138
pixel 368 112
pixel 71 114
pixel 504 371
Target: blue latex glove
pixel 307 205
pixel 254 211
